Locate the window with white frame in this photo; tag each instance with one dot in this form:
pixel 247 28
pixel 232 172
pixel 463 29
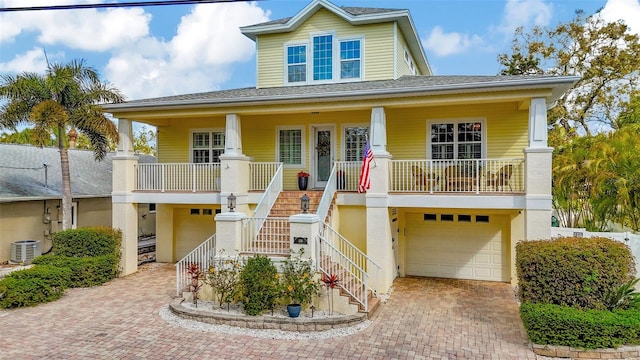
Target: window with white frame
pixel 456 140
pixel 296 63
pixel 355 140
pixel 207 146
pixel 290 145
pixel 325 58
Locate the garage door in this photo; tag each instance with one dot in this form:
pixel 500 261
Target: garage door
pixel 460 247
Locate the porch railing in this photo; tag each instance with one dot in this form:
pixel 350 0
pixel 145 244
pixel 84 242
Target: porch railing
pixel 359 273
pixel 201 256
pixel 451 176
pixel 262 173
pixel 327 196
pixel 178 177
pixel 271 238
pixel 268 198
pixel 347 175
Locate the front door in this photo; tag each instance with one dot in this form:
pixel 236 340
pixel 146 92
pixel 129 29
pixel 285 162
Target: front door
pixel 323 155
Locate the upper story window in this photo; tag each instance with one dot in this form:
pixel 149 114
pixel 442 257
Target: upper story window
pixel 297 63
pixel 350 59
pixel 325 58
pixel 457 140
pixel 355 140
pixel 290 145
pixel 207 146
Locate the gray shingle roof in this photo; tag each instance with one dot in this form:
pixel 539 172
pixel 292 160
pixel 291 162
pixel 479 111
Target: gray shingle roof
pixel 424 83
pixel 22 174
pixel 355 11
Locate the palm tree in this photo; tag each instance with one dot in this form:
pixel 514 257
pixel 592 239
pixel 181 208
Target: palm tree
pixel 65 97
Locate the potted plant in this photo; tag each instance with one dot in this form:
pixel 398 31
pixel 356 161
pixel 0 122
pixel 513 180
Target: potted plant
pixel 303 180
pixel 298 282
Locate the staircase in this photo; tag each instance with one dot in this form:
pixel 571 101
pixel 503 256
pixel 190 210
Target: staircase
pixel 288 203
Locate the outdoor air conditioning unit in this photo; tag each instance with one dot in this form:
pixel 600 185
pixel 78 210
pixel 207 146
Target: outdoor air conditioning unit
pixel 25 250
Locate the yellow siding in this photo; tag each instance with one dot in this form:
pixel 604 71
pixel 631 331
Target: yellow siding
pixel 174 139
pixel 506 128
pixel 191 230
pixel 401 65
pixel 353 225
pixel 378 47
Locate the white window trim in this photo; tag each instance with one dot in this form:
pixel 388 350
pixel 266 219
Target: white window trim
pixel 285 57
pixel 335 61
pixel 192 131
pixel 483 142
pixel 343 139
pixel 303 145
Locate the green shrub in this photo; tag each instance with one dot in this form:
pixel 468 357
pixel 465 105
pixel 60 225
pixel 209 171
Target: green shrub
pixel 41 283
pixel 87 242
pixel 577 272
pixel 590 329
pixel 259 285
pixel 86 271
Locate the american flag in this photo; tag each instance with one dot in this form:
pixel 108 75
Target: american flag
pixel 365 180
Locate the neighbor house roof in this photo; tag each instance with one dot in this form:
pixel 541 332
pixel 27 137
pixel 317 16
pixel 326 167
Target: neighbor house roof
pixel 404 86
pixel 24 176
pixel 354 16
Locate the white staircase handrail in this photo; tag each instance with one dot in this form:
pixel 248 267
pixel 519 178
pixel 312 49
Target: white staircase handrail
pixel 201 255
pixel 327 196
pixel 268 198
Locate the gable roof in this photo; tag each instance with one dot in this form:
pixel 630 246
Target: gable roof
pixel 354 16
pixel 23 175
pixel 404 86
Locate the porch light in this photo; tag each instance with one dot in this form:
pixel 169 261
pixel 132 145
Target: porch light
pixel 231 202
pixel 304 203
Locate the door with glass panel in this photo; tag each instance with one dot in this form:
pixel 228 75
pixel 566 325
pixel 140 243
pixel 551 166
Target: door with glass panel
pixel 323 155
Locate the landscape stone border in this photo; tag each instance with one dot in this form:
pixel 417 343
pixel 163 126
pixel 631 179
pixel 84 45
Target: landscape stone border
pixel 623 352
pixel 299 324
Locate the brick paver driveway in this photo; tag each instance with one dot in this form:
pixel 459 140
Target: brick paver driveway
pixel 424 318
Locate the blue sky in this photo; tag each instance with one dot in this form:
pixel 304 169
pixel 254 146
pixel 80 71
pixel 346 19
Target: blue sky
pixel 157 51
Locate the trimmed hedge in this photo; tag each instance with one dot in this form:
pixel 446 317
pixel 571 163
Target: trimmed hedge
pixel 86 271
pixel 32 286
pixel 588 329
pixel 260 285
pixel 576 272
pixel 87 242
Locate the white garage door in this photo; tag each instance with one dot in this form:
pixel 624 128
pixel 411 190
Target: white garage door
pixel 469 249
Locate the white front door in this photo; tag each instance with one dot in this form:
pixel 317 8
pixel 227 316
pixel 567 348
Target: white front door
pixel 322 154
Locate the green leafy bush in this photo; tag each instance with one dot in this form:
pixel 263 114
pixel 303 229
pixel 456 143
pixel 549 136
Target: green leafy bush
pixel 259 285
pixel 224 277
pixel 85 271
pixel 577 272
pixel 299 284
pixel 590 329
pixel 41 283
pixel 87 242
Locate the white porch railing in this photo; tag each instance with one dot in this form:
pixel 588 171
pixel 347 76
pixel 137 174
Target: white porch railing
pixel 178 177
pixel 271 237
pixel 359 273
pixel 347 175
pixel 451 176
pixel 327 196
pixel 261 174
pixel 202 256
pixel 268 198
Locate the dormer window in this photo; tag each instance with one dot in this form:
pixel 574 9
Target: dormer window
pixel 330 59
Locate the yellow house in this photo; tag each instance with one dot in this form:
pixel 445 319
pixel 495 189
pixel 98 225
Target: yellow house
pixel 461 169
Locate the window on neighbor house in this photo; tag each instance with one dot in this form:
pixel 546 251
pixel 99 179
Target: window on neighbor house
pixel 207 146
pixel 297 63
pixel 290 146
pixel 350 59
pixel 355 140
pixel 456 140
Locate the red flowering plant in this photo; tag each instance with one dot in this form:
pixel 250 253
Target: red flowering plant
pixel 331 281
pixel 303 174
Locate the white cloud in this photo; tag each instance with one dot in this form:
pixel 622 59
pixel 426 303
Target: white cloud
pixel 31 61
pixel 87 29
pixel 625 10
pixel 198 58
pixel 525 13
pixel 444 44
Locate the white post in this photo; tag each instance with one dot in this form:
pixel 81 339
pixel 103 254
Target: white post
pixel 229 233
pixel 303 230
pixel 234 167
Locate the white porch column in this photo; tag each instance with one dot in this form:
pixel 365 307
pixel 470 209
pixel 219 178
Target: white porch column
pixel 229 233
pixel 538 174
pixel 379 244
pixel 124 213
pixel 234 167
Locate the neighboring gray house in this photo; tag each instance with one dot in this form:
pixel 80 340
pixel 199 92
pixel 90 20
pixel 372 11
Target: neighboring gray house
pixel 30 194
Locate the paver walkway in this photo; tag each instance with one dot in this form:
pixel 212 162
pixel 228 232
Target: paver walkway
pixel 424 318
